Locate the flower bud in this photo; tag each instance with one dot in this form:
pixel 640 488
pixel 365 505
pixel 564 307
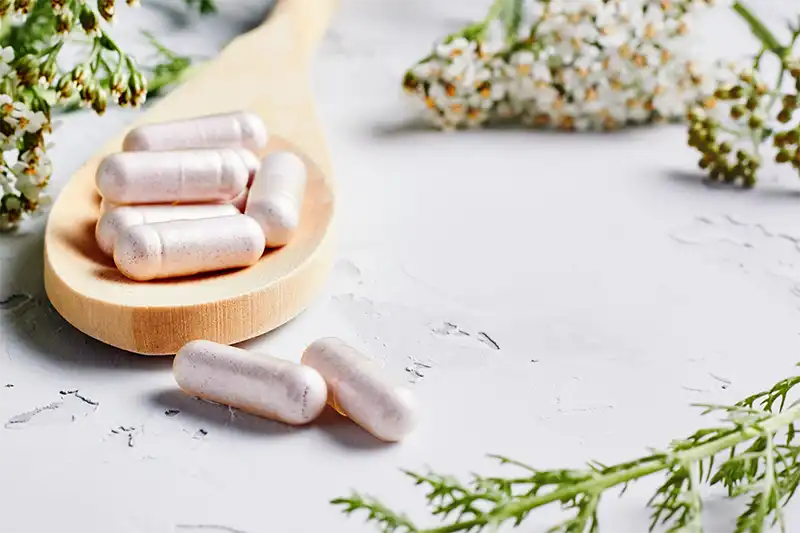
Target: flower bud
pixel 87 94
pixel 48 71
pixel 124 98
pixel 782 156
pixel 27 70
pixel 89 21
pixel 22 7
pixel 100 102
pixel 79 75
pixel 138 88
pixel 106 8
pixel 65 88
pixel 116 84
pixel 64 21
pixel 784 116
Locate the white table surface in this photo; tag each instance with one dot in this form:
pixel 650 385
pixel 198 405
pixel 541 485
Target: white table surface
pixel 618 287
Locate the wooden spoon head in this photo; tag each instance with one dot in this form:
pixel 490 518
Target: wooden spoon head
pixel 158 317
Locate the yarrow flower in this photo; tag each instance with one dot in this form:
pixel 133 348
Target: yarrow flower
pixel 25 168
pixel 34 79
pixel 570 64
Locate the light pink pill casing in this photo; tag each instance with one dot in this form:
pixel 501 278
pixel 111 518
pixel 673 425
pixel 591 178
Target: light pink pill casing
pixel 164 177
pixel 358 389
pixel 253 382
pixel 185 247
pixel 113 222
pixel 238 129
pixel 276 196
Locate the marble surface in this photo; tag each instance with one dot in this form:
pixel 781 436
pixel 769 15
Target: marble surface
pixel 549 297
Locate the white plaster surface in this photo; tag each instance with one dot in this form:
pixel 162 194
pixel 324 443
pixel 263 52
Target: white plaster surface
pixel 616 289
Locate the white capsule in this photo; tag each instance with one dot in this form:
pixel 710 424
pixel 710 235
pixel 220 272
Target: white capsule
pixel 253 382
pixel 238 129
pixel 163 177
pixel 113 222
pixel 276 196
pixel 185 247
pixel 358 389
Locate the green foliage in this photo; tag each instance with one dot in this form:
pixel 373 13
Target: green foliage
pixel 752 454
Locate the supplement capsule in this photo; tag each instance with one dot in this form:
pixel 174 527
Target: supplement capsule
pixel 358 390
pixel 113 222
pixel 165 177
pixel 253 382
pixel 229 130
pixel 276 196
pixel 185 247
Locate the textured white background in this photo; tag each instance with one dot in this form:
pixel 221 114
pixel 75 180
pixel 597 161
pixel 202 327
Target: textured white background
pixel 618 287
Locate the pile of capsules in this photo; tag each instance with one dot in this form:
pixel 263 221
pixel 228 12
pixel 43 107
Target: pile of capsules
pixel 330 371
pixel 191 196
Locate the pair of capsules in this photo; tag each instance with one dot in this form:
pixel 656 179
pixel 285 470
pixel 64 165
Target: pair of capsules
pixel 331 371
pixel 173 199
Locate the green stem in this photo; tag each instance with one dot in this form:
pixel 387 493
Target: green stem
pixel 760 30
pixel 520 506
pixel 494 11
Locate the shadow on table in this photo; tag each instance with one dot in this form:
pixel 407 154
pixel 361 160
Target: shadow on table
pixel 342 431
pixel 34 329
pixel 217 416
pixel 416 125
pixel 773 192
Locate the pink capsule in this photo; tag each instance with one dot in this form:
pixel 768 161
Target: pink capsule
pixel 165 177
pixel 186 247
pixel 230 130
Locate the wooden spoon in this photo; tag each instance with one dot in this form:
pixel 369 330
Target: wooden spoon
pixel 264 71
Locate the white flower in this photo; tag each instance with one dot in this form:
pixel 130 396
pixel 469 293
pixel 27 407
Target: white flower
pixel 457 47
pixel 6 54
pixel 427 70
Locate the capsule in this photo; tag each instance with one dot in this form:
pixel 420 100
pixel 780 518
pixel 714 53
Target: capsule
pixel 166 177
pixel 113 222
pixel 253 382
pixel 229 130
pixel 276 196
pixel 358 389
pixel 185 247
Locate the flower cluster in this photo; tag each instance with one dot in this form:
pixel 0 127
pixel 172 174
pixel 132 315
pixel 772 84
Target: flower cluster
pixel 787 137
pixel 728 129
pixel 33 81
pixel 24 165
pixel 571 64
pixel 732 131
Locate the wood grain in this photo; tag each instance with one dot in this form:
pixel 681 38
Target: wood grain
pixel 265 71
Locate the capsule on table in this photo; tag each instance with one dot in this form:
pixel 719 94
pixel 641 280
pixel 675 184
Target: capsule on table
pixel 253 382
pixel 113 222
pixel 276 196
pixel 186 247
pixel 166 177
pixel 359 390
pixel 238 129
